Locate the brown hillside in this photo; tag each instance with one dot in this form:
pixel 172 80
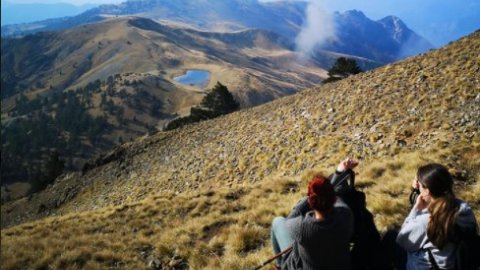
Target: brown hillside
pixel 134 62
pixel 249 62
pixel 202 197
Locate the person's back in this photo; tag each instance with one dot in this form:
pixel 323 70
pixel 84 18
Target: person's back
pixel 321 244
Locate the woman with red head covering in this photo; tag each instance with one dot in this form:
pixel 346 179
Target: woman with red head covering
pixel 320 237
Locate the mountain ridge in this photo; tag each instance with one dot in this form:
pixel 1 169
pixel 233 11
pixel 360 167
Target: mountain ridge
pixel 177 36
pixel 285 18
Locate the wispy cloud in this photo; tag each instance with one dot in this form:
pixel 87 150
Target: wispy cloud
pixel 319 27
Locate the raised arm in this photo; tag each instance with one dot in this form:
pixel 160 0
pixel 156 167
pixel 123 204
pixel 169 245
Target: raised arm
pixel 339 179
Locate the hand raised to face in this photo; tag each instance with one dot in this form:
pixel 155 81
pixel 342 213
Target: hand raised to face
pixel 415 184
pixel 346 164
pixel 421 203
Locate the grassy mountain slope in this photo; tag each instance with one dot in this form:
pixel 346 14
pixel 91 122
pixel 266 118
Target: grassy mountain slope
pixel 130 64
pixel 134 45
pixel 203 197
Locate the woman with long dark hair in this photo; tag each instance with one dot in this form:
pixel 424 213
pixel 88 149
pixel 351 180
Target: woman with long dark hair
pixel 428 232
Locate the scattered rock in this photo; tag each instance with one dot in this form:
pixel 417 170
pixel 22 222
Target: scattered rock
pixel 375 137
pixel 145 252
pixel 401 143
pixel 234 195
pixel 459 174
pixel 407 133
pixel 177 263
pixel 155 264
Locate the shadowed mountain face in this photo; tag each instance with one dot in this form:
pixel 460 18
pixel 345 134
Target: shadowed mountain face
pixel 205 195
pixel 357 35
pixel 388 39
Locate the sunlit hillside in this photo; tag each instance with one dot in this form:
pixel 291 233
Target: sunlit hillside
pixel 118 79
pixel 203 197
pixel 247 61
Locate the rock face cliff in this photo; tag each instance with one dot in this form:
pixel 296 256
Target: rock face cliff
pixel 215 186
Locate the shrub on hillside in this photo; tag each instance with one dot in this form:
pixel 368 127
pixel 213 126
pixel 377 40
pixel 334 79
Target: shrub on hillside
pixel 52 168
pixel 218 101
pixel 341 69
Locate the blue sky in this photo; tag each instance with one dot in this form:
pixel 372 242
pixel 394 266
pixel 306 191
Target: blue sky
pixel 440 21
pixel 74 2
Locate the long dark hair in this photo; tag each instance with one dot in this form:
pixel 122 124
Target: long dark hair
pixel 444 208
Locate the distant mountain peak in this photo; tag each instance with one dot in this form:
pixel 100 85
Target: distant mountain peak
pixel 354 13
pixel 396 27
pixel 391 18
pixel 384 41
pixel 393 21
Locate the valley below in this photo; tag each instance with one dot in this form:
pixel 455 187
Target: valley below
pixel 117 80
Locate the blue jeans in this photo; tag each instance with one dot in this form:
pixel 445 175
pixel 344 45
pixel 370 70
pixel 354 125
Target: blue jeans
pixel 416 261
pixel 281 238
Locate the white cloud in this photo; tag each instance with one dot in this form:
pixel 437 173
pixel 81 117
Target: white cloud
pixel 319 27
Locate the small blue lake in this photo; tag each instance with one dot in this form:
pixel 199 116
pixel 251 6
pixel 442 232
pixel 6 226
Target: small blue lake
pixel 194 77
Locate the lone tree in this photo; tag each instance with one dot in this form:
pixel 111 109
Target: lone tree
pixel 218 101
pixel 341 69
pixel 53 167
pixel 51 170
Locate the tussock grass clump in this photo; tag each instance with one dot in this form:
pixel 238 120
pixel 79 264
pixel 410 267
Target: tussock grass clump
pixel 246 238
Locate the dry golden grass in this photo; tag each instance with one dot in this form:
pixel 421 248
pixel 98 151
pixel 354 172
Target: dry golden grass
pixel 203 197
pixel 224 228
